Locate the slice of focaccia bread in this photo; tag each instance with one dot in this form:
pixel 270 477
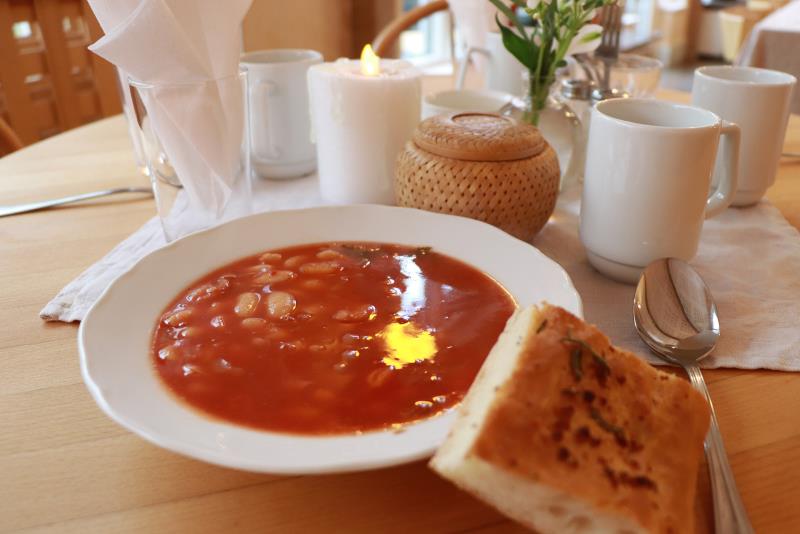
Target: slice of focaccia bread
pixel 565 433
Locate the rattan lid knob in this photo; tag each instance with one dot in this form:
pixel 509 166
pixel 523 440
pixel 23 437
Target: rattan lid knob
pixel 476 136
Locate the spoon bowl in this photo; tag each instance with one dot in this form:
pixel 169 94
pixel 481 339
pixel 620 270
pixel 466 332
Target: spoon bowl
pixel 674 312
pixel 675 315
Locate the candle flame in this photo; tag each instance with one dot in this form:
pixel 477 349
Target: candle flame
pixel 370 62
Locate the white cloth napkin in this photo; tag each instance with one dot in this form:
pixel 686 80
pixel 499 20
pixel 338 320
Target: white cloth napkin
pixel 188 52
pixel 72 302
pixel 749 257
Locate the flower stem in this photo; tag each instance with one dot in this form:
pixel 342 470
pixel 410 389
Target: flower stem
pixel 539 83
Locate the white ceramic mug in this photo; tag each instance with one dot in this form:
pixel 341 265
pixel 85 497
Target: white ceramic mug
pixel 456 100
pixel 503 72
pixel 647 179
pixel 758 101
pixel 280 125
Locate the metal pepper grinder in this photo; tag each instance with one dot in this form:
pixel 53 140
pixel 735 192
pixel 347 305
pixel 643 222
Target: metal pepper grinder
pixel 581 96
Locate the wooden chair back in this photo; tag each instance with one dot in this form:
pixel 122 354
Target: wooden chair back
pixel 49 81
pixel 387 38
pixel 9 140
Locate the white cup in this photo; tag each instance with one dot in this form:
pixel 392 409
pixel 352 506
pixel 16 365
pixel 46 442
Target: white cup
pixel 504 72
pixel 647 179
pixel 481 100
pixel 758 101
pixel 280 124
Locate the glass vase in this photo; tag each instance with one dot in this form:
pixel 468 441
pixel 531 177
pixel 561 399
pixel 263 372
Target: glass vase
pixel 536 96
pixel 560 126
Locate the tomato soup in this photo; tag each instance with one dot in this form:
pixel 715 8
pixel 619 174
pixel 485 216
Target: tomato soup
pixel 330 338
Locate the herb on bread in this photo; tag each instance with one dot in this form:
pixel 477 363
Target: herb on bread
pixel 602 370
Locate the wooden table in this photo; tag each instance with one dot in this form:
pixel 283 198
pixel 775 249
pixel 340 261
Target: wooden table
pixel 65 467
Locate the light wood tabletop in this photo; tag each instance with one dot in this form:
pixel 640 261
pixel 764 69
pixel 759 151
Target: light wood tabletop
pixel 66 467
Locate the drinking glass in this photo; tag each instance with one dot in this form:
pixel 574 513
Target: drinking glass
pixel 635 75
pixel 130 118
pixel 196 148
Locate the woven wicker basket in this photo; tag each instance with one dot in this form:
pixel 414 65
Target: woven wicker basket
pixel 482 166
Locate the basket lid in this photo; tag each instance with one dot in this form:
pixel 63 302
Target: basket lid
pixel 474 136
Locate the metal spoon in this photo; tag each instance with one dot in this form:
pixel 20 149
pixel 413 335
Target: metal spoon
pixel 675 314
pixel 44 204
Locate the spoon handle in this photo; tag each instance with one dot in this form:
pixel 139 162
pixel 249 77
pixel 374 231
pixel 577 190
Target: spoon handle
pixel 730 516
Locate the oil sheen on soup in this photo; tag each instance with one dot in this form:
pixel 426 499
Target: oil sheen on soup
pixel 330 338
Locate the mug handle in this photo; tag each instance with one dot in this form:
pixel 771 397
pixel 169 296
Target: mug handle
pixel 462 68
pixel 726 171
pixel 261 90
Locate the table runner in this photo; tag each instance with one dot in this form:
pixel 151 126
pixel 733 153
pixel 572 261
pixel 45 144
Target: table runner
pixel 750 258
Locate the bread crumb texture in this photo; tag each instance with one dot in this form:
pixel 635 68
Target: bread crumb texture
pixel 598 424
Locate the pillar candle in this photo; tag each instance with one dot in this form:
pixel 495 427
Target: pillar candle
pixel 362 114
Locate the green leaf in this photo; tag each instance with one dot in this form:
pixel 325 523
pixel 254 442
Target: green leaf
pixel 522 49
pixel 508 12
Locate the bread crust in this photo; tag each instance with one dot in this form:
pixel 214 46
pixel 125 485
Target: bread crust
pixel 597 424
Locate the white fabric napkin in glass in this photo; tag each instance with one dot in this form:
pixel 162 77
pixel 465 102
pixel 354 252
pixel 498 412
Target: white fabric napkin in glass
pixel 171 41
pixel 750 258
pixel 187 50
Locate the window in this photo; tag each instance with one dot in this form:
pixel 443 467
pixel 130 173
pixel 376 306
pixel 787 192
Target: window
pixel 637 23
pixel 428 42
pixel 21 29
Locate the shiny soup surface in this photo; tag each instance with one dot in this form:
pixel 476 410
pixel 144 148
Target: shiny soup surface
pixel 330 338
